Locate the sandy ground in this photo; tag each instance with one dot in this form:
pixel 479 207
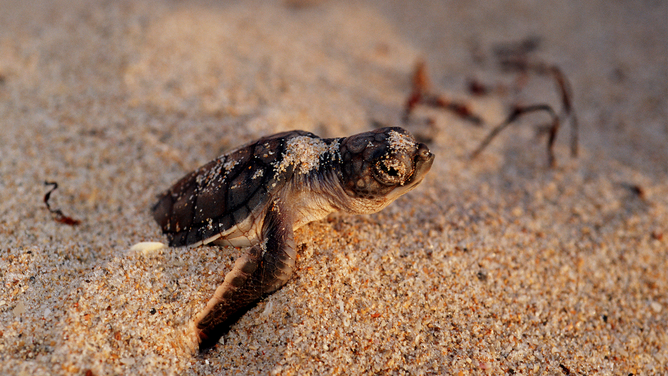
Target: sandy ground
pixel 499 265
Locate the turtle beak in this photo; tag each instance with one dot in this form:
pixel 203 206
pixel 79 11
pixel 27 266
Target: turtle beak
pixel 422 163
pixel 423 154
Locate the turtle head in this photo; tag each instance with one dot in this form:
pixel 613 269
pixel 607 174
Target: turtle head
pixel 379 166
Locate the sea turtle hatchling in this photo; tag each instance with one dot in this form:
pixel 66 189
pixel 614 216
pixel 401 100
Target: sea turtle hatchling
pixel 258 194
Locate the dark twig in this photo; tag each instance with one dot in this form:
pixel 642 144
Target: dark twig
pixel 422 94
pixel 514 57
pixel 59 216
pixel 521 64
pixel 477 88
pixel 514 115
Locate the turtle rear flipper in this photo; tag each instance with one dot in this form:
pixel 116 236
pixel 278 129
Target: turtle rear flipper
pixel 263 269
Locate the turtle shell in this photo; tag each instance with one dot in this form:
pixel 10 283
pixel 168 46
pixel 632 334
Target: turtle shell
pixel 228 197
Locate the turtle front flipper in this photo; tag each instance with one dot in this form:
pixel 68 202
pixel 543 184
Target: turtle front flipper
pixel 262 270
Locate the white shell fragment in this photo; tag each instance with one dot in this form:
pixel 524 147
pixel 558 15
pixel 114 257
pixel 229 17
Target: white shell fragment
pixel 147 247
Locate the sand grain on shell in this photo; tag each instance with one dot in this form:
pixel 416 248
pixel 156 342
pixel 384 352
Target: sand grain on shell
pixel 304 153
pixel 400 142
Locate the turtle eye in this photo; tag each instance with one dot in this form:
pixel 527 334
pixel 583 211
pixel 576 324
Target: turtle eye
pixel 390 171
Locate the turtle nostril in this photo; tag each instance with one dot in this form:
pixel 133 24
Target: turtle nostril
pixel 423 152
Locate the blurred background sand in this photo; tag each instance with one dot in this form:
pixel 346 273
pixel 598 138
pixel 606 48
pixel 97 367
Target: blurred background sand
pixel 499 265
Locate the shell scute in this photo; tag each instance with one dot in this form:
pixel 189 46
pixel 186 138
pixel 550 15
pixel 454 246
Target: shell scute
pixel 240 188
pixel 266 152
pixel 210 203
pixel 194 236
pixel 258 197
pixel 236 160
pixel 240 214
pixel 183 208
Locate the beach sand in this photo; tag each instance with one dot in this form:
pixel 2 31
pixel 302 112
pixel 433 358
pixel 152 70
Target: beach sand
pixel 497 265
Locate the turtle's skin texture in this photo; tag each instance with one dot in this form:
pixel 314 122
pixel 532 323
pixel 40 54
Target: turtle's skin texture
pixel 258 194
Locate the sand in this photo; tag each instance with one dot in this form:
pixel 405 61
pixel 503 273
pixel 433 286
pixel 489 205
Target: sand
pixel 498 265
